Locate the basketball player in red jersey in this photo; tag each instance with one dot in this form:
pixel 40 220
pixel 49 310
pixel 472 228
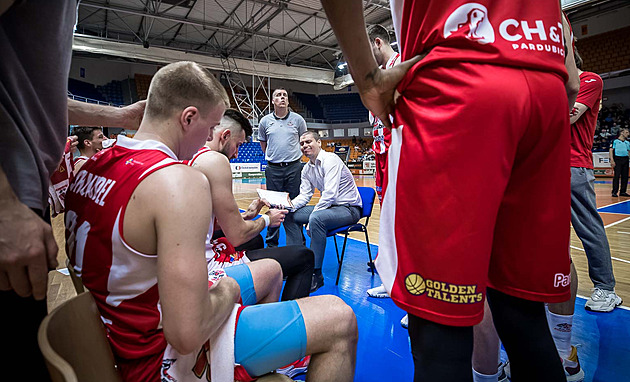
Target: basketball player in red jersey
pixel 90 142
pixel 386 58
pixel 136 233
pixel 455 122
pixel 297 261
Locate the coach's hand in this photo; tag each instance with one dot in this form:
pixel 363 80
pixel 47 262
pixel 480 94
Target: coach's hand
pixel 27 250
pixel 378 87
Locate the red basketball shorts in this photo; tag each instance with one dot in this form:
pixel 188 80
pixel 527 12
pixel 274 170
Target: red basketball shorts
pixel 478 191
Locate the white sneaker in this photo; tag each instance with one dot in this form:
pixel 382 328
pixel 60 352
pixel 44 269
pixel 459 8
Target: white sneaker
pixel 603 300
pixel 378 292
pixel 405 321
pixel 501 371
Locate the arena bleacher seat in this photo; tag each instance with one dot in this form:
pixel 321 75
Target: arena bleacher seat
pixel 311 103
pixel 112 92
pixel 250 152
pixel 84 89
pixel 347 106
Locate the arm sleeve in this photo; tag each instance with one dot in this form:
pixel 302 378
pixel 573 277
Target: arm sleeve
pixel 590 91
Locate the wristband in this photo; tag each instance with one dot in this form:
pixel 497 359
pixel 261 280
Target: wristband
pixel 265 217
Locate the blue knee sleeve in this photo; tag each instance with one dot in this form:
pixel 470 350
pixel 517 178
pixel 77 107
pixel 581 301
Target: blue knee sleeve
pixel 269 336
pixel 243 276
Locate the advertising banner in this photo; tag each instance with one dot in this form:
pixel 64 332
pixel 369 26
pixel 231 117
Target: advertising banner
pixel 245 167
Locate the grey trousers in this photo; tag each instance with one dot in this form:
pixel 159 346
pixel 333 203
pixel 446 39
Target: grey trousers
pixel 320 222
pixel 285 179
pixel 589 228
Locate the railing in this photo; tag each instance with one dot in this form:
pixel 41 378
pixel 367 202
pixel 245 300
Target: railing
pixel 90 100
pixel 335 121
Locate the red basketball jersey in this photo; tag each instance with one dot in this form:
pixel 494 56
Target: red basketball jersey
pixel 122 280
pixel 583 130
pixel 382 135
pixel 523 34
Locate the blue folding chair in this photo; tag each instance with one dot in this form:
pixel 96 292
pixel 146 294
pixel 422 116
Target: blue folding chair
pixel 368 195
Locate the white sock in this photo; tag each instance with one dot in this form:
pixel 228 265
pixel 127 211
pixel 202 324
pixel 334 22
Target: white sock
pixel 560 327
pixel 478 377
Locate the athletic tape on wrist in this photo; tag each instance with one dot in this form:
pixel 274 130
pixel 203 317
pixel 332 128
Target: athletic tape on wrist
pixel 266 219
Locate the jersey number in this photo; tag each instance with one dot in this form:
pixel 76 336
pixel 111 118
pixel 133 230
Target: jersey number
pixel 76 238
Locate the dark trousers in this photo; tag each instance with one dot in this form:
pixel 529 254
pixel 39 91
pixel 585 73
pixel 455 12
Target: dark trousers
pixel 621 170
pixel 285 179
pixel 19 323
pixel 297 263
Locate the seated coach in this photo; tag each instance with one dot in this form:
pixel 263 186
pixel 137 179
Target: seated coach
pixel 339 205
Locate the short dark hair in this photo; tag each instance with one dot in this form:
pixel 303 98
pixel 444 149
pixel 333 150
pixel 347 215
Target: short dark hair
pixel 240 119
pixel 275 90
pixel 312 133
pixel 84 132
pixel 378 31
pixel 578 59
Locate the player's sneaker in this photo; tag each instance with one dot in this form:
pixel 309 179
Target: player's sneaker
pixel 572 369
pixel 298 367
pixel 502 375
pixel 405 321
pixel 602 300
pixel 378 292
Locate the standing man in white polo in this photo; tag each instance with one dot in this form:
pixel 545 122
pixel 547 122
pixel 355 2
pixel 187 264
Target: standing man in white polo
pixel 279 134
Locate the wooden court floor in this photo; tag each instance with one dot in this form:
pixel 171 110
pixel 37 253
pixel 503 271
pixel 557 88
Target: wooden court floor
pixel 617 228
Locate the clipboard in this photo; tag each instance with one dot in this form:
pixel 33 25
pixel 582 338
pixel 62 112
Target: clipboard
pixel 276 199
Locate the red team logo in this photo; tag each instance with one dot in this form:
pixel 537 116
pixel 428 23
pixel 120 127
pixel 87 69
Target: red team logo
pixel 470 20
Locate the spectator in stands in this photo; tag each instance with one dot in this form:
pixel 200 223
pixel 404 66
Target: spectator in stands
pixel 339 204
pixel 279 134
pixel 34 114
pixel 90 141
pixel 240 229
pixel 162 308
pixel 618 155
pixel 614 130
